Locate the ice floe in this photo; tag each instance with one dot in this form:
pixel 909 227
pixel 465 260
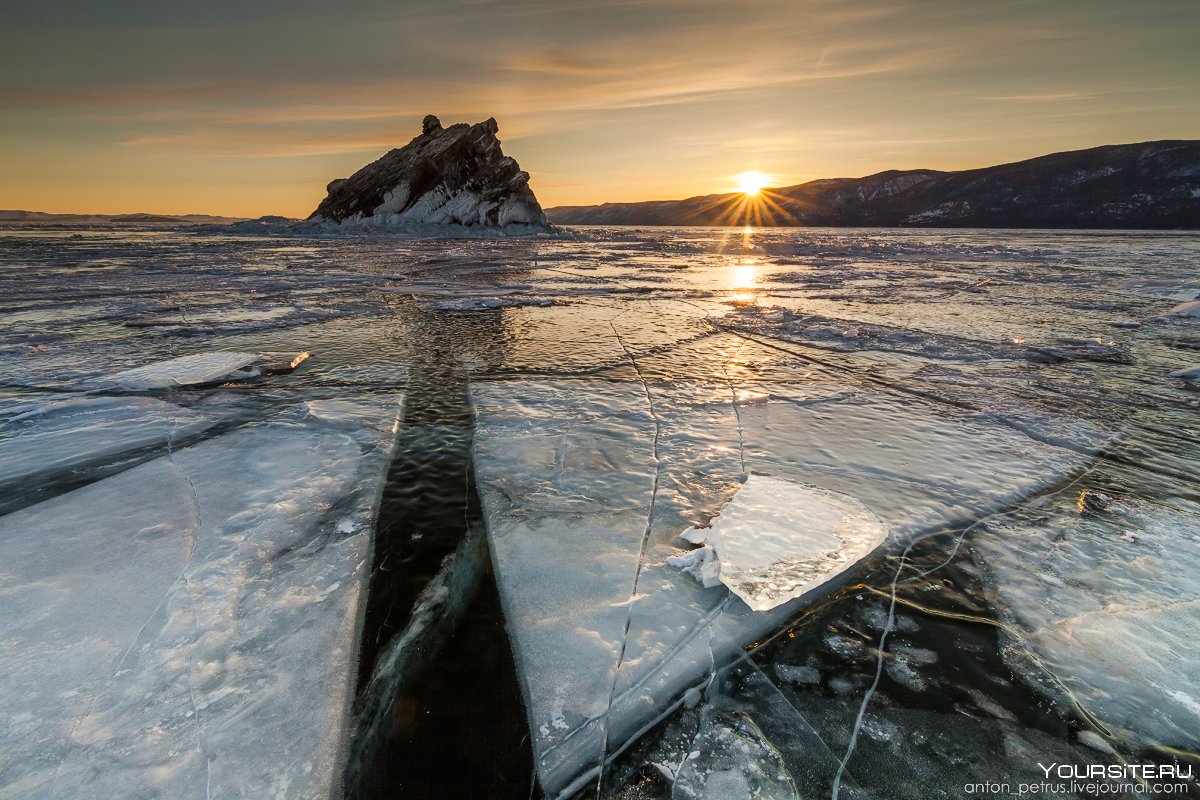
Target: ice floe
pixel 193 370
pixel 1073 348
pixel 200 641
pixel 587 486
pixel 488 303
pixel 1188 309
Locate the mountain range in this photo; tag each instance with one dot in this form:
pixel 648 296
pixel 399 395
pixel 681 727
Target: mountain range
pixel 1145 185
pixel 27 218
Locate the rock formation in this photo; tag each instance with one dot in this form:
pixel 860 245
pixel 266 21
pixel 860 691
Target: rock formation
pixel 446 175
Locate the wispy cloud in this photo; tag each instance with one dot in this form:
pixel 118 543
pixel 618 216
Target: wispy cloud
pixel 1044 97
pixel 608 99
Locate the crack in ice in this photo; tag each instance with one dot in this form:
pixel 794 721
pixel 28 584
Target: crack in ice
pixel 733 400
pixel 862 709
pixel 641 555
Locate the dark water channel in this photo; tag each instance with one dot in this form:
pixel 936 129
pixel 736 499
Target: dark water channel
pixel 456 726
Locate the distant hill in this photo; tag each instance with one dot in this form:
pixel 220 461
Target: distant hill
pixel 21 218
pixel 1146 185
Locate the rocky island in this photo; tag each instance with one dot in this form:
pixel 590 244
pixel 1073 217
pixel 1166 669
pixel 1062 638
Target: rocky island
pixel 455 175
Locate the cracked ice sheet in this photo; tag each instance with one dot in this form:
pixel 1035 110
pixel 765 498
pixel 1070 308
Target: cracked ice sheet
pixel 203 638
pixel 1107 600
pixel 566 472
pixel 58 436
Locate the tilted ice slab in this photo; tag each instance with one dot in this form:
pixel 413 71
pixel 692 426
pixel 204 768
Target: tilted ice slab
pixel 188 627
pixel 196 369
pixel 1106 597
pixel 586 488
pixel 777 539
pixel 59 436
pixel 200 369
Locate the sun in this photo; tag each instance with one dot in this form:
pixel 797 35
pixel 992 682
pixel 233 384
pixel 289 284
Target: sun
pixel 751 183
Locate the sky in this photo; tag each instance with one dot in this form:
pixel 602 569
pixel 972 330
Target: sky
pixel 250 108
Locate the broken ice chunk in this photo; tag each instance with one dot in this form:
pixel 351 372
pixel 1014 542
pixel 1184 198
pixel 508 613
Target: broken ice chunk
pixel 1188 309
pixel 732 757
pixel 701 564
pixel 567 467
pixel 489 303
pixel 193 370
pixel 778 539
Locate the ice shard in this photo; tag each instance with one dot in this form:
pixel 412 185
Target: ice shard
pixel 588 484
pixel 777 539
pixel 201 641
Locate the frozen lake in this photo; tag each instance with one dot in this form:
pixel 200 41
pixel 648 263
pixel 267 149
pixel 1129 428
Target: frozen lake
pixel 950 479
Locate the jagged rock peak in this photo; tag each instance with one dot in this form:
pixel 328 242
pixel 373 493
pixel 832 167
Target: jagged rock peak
pixel 445 175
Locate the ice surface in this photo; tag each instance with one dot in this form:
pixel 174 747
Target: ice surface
pixel 59 436
pixel 1073 348
pixel 199 642
pixel 588 484
pixel 841 344
pixel 488 303
pixel 1105 595
pixel 778 539
pixel 197 369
